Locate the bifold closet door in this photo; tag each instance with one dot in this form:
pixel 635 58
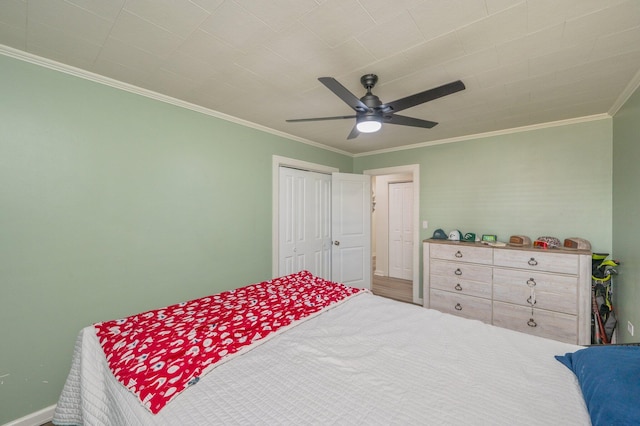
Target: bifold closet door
pixel 305 222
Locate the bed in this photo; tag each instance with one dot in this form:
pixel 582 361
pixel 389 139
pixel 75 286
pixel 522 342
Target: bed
pixel 362 360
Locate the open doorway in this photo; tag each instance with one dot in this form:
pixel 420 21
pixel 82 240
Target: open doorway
pixel 395 233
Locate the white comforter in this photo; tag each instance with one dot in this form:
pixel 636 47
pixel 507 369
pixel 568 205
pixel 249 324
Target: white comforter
pixel 367 361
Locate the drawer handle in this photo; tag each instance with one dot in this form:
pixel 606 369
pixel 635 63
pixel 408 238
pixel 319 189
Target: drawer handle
pixel 531 282
pixel 458 254
pixel 532 262
pixel 458 272
pixel 532 323
pixel 530 302
pixel 458 307
pixel 458 287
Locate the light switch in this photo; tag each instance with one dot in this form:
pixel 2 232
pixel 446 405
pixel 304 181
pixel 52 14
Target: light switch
pixel 425 224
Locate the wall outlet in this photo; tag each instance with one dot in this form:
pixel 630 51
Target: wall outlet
pixel 630 328
pixel 425 224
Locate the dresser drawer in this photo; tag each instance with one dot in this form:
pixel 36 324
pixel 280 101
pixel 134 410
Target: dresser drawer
pixel 461 270
pixel 538 260
pixel 461 305
pixel 457 285
pixel 462 252
pixel 552 325
pixel 553 292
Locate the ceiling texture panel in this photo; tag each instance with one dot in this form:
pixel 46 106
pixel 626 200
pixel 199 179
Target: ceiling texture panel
pixel 523 62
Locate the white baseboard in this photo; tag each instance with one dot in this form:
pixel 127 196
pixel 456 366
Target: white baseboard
pixel 34 419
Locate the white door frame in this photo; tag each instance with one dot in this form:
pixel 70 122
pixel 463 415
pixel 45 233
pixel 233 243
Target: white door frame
pixel 276 162
pixel 414 170
pixel 382 219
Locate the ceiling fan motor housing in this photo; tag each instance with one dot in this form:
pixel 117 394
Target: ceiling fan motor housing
pixel 366 120
pixel 369 81
pixel 369 99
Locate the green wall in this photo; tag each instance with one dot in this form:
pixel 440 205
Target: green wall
pixel 554 181
pixel 112 203
pixel 626 211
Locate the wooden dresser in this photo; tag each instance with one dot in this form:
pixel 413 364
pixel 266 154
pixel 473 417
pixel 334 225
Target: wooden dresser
pixel 542 292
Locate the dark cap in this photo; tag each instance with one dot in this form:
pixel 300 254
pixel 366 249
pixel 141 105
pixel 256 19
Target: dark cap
pixel 439 234
pixel 469 237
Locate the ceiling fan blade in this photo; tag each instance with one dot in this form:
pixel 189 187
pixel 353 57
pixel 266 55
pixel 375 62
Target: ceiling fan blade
pixel 339 117
pixel 422 97
pixel 354 133
pixel 408 121
pixel 344 94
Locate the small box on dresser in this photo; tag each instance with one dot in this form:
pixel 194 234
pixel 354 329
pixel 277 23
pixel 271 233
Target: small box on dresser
pixel 541 292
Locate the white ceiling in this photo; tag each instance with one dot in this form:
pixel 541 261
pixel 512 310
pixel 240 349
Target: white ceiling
pixel 524 62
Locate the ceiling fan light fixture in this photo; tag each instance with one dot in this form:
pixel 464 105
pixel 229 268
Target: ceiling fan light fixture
pixel 368 124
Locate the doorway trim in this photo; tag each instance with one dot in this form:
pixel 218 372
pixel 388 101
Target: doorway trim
pixel 414 170
pixel 276 162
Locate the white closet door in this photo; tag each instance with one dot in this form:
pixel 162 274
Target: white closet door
pixel 401 230
pixel 305 222
pixel 351 229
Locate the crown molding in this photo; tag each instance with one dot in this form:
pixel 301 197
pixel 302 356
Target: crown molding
pixel 490 134
pixel 116 84
pixel 626 94
pixel 97 78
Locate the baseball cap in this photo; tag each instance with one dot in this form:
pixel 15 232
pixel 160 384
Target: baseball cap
pixel 439 234
pixel 547 242
pixel 469 237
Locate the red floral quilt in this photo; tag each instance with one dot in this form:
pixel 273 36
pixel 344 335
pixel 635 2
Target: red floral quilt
pixel 158 354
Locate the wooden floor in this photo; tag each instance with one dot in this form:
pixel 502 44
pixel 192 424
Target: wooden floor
pixel 393 288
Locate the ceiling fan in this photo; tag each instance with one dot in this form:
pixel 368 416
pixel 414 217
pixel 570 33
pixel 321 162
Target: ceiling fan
pixel 371 112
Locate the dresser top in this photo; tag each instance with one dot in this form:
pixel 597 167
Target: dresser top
pixel 508 247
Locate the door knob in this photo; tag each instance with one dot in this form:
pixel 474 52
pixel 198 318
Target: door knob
pixel 336 243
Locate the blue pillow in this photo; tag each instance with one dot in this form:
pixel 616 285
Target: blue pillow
pixel 609 377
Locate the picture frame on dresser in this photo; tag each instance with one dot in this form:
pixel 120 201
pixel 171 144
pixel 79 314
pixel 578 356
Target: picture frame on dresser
pixel 546 293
